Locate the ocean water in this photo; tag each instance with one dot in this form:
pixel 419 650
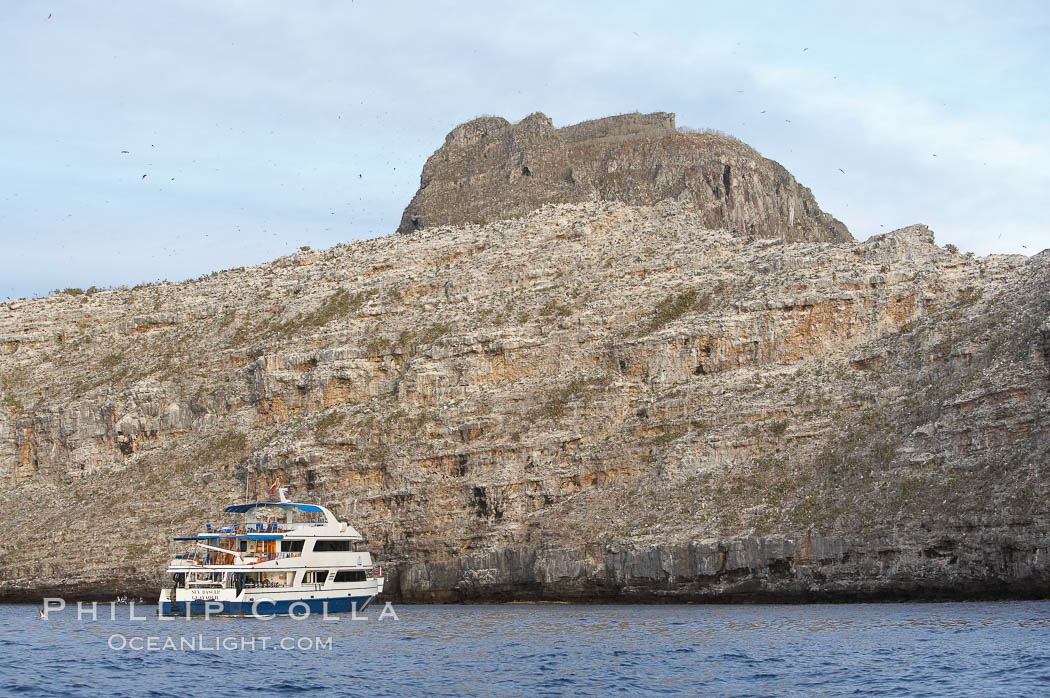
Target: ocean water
pixel 946 649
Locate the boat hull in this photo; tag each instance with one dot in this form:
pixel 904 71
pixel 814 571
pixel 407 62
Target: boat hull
pixel 263 607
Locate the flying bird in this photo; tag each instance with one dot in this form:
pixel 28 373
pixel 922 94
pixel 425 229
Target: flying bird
pixel 842 170
pixel 125 152
pixel 144 176
pixel 805 49
pixel 49 15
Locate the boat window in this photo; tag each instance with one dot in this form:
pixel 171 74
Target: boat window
pixel 324 545
pixel 265 580
pixel 291 546
pixel 205 579
pixel 315 577
pixel 350 576
pixel 244 546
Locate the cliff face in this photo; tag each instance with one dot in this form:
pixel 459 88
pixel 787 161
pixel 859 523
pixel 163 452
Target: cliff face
pixel 489 169
pixel 595 401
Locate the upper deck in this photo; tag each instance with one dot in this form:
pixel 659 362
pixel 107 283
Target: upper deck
pixel 269 532
pixel 280 519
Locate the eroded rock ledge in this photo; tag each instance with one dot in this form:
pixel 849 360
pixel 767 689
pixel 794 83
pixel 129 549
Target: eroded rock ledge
pixel 811 567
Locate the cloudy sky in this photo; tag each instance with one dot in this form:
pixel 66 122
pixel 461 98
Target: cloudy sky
pixel 263 126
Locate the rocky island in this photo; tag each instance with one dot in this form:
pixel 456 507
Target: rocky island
pixel 611 361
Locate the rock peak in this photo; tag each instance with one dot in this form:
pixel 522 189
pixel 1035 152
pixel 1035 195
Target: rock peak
pixel 490 169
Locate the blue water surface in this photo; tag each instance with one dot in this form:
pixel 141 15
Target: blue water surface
pixel 945 649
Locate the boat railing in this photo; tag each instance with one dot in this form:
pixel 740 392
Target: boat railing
pixel 221 558
pixel 267 557
pixel 231 529
pixel 245 529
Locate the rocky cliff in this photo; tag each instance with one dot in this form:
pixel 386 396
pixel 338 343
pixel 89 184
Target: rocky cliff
pixel 592 401
pixel 489 169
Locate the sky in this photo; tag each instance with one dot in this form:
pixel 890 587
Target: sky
pixel 253 127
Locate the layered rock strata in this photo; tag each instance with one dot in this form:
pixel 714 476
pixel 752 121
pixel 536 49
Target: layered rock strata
pixel 593 401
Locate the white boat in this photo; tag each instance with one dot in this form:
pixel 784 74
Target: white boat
pixel 283 558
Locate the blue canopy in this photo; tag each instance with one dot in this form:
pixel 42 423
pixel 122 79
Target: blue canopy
pixel 250 536
pixel 241 508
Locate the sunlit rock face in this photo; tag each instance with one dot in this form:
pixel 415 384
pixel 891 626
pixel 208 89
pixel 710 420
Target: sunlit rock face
pixel 489 169
pixel 589 401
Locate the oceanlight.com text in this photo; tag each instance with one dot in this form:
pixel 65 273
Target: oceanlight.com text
pixel 216 643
